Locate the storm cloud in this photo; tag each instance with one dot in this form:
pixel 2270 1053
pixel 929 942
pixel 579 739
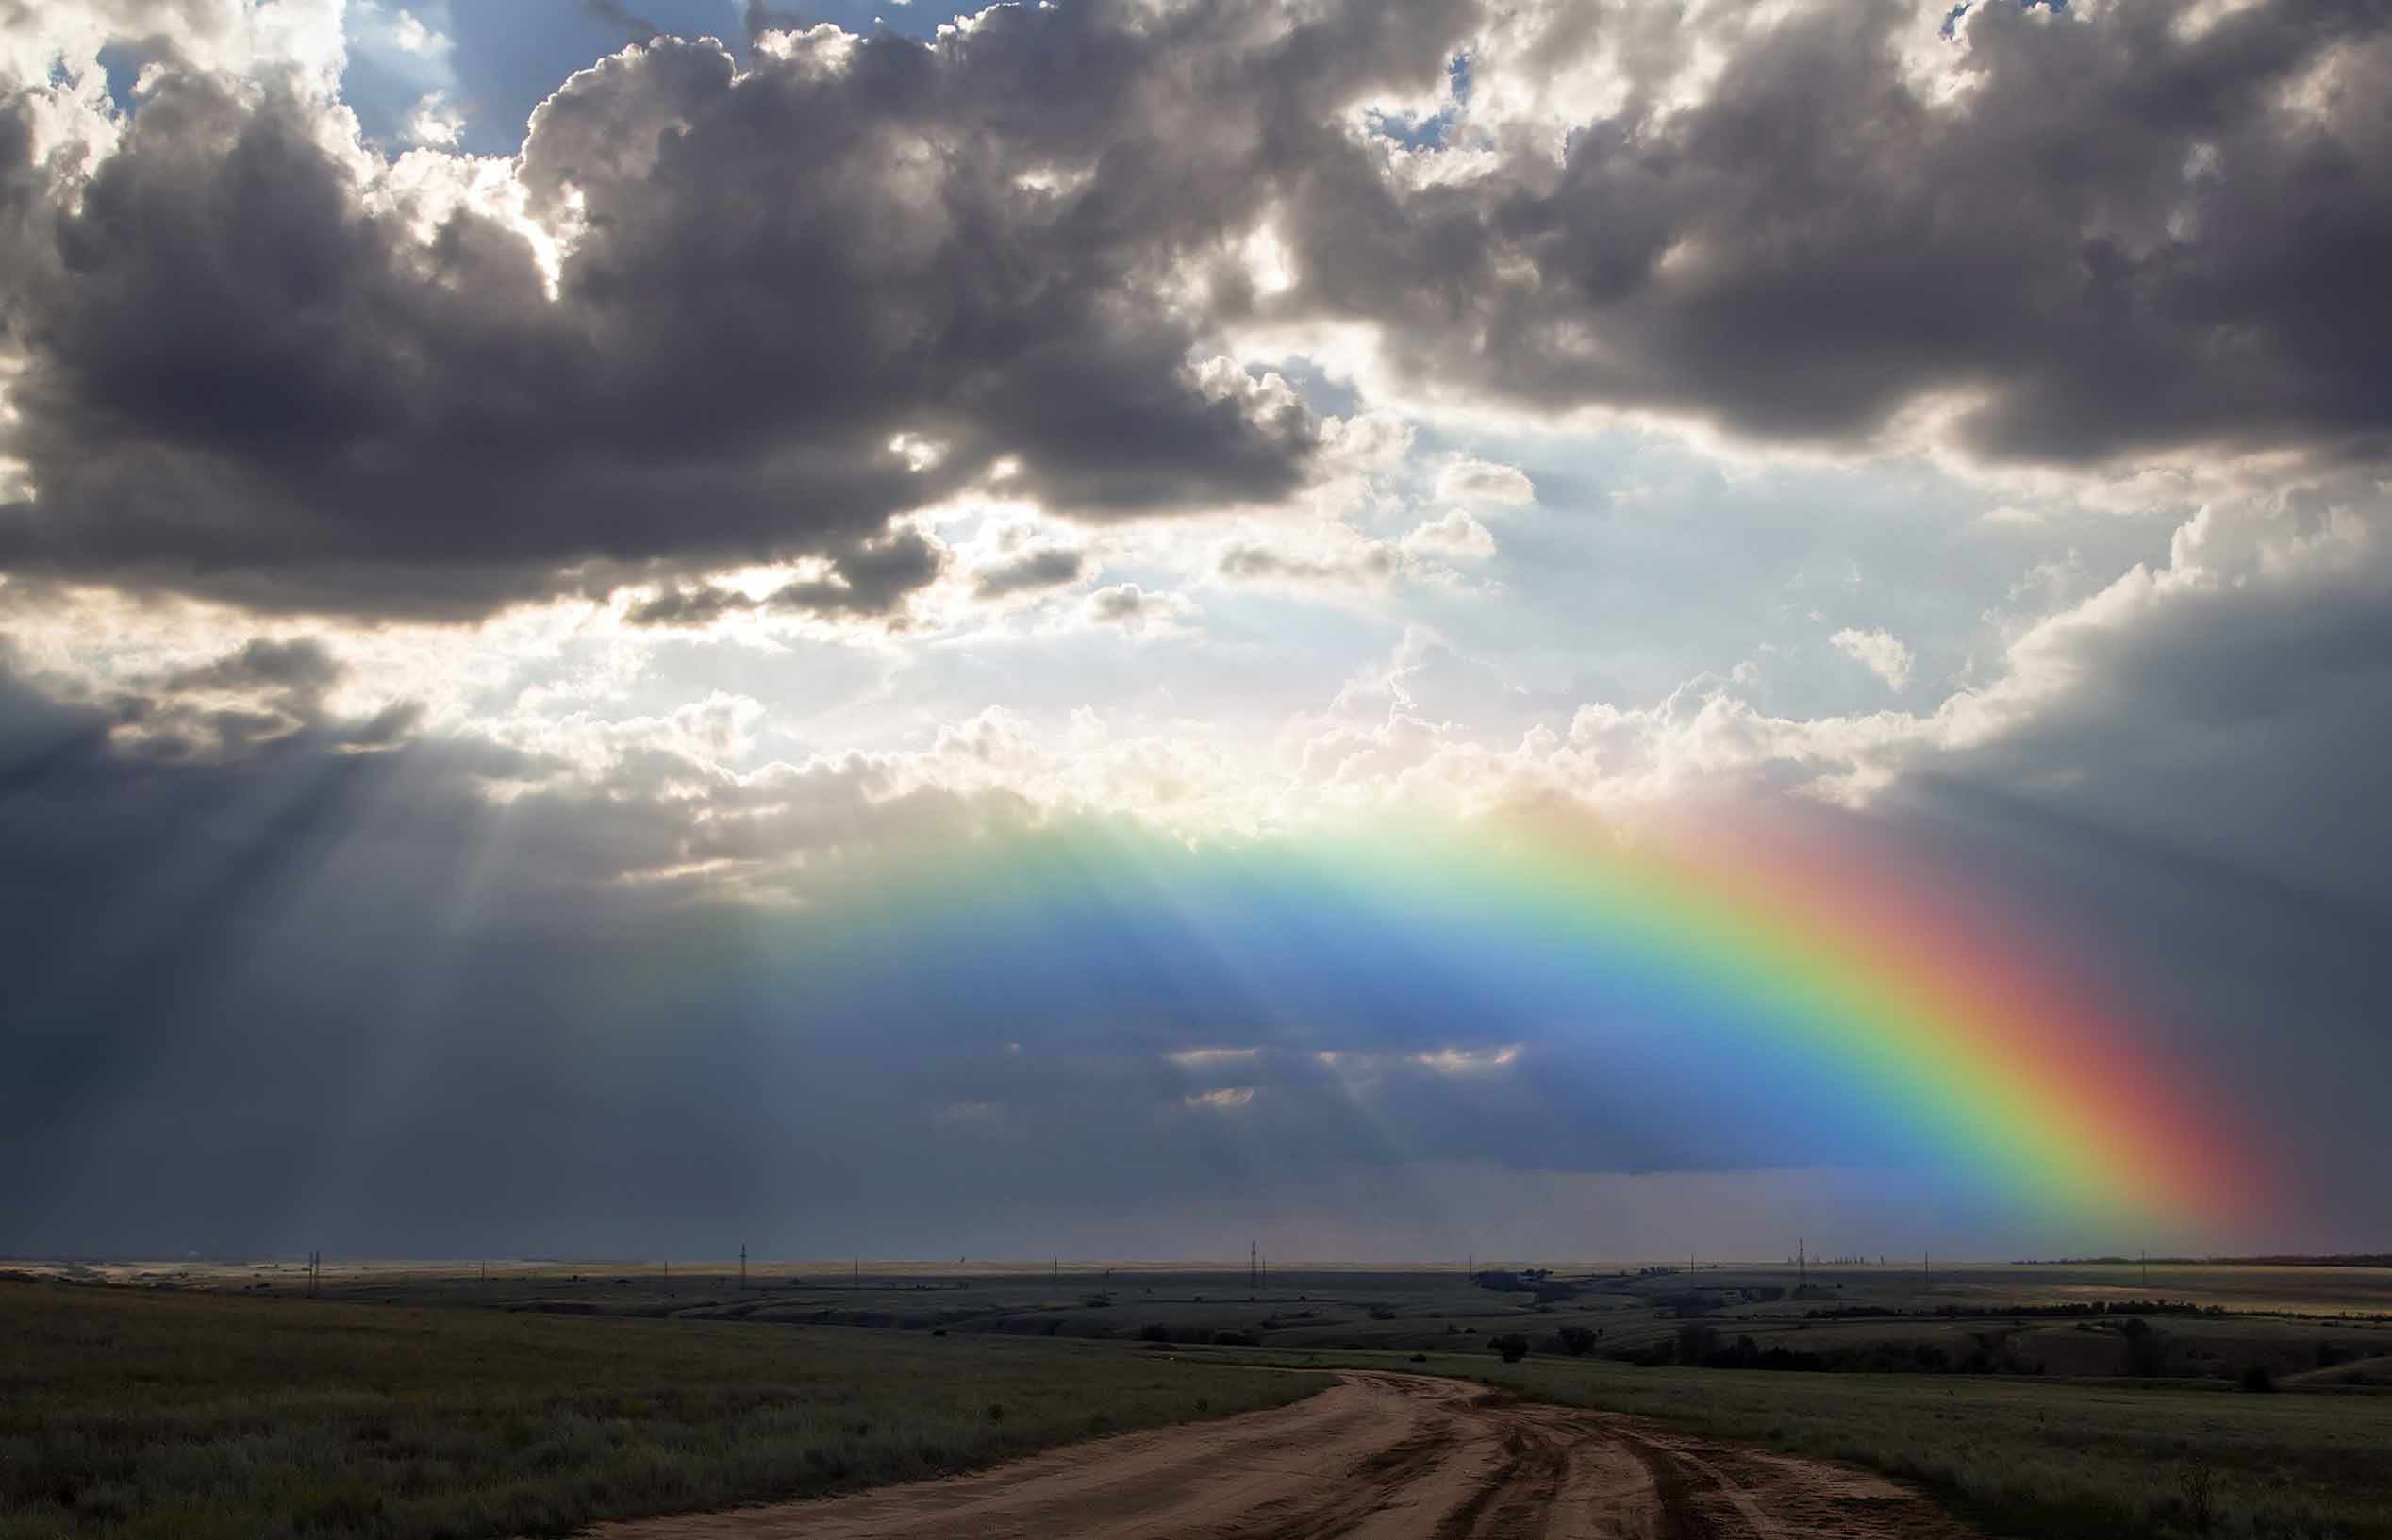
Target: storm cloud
pixel 255 366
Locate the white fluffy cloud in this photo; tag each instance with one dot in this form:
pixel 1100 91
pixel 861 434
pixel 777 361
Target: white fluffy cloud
pixel 1880 651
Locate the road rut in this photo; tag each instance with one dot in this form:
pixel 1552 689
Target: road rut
pixel 1375 1457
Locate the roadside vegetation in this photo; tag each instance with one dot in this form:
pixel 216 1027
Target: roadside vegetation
pixel 139 1413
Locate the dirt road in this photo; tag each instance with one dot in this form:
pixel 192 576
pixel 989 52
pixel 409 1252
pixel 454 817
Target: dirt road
pixel 1377 1455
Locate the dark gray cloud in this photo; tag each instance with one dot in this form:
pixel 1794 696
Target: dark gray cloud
pixel 2121 235
pixel 1047 567
pixel 1254 562
pixel 301 667
pixel 871 578
pixel 243 378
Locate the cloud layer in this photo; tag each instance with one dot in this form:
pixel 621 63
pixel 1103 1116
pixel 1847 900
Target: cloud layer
pixel 699 318
pixel 430 581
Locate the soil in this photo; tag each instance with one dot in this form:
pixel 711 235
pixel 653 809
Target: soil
pixel 1377 1455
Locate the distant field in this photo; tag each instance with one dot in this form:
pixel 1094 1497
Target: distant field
pixel 2036 1458
pixel 2287 1320
pixel 133 1413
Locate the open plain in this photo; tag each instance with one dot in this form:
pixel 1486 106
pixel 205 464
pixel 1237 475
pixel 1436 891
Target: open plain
pixel 448 1399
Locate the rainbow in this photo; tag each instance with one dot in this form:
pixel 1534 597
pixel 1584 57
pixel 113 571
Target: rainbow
pixel 1909 994
pixel 1853 973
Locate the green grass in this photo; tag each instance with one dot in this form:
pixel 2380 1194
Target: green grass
pixel 2026 1457
pixel 128 1413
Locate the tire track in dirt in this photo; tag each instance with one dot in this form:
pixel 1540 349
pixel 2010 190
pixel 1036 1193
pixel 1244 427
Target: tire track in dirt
pixel 1375 1457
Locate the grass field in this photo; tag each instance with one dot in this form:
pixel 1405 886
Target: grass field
pixel 586 1388
pixel 134 1413
pixel 2036 1458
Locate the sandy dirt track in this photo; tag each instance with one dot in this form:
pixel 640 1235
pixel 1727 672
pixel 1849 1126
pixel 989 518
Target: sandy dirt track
pixel 1377 1455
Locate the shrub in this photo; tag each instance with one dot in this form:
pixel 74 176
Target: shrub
pixel 1156 1333
pixel 2150 1351
pixel 1235 1339
pixel 1577 1341
pixel 1512 1346
pixel 2257 1377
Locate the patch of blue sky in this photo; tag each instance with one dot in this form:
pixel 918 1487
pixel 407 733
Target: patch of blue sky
pixel 1644 563
pixel 1417 131
pixel 399 56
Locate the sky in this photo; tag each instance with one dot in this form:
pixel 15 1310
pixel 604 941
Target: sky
pixel 1399 628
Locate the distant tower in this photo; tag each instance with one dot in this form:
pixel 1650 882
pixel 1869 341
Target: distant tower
pixel 1801 1264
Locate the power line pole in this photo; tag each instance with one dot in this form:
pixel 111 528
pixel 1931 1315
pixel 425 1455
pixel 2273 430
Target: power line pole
pixel 743 1265
pixel 1802 1264
pixel 2147 1267
pixel 1253 1267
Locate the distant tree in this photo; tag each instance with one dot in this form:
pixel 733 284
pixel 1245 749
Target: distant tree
pixel 1577 1341
pixel 1696 1343
pixel 1154 1333
pixel 1512 1346
pixel 2257 1377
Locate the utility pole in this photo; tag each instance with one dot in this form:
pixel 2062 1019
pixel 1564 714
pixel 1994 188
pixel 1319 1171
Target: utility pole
pixel 486 1272
pixel 743 1267
pixel 1253 1267
pixel 859 1273
pixel 668 1275
pixel 1802 1264
pixel 2147 1267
